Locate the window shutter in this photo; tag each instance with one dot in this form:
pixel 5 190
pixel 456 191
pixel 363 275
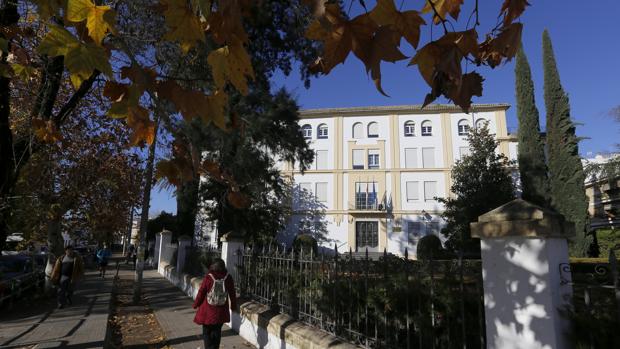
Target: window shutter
pixel 358 158
pixel 412 191
pixel 428 157
pixel 430 190
pixel 321 159
pixel 411 157
pixel 321 192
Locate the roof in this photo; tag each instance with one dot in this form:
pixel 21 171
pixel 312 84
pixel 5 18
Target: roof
pixel 401 109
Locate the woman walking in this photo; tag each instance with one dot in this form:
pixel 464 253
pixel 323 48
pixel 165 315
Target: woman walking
pixel 216 296
pixel 102 259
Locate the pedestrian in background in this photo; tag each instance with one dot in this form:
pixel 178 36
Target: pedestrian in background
pixel 216 296
pixel 102 259
pixel 68 269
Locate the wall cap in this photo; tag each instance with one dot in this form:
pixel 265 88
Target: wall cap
pixel 232 237
pixel 521 218
pixel 166 232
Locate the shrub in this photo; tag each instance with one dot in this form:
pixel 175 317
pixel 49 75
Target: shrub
pixel 429 247
pixel 305 243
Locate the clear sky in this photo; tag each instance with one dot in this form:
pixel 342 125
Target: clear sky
pixel 584 36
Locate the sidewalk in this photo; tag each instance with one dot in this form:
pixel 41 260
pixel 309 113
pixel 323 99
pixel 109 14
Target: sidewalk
pixel 38 324
pixel 174 313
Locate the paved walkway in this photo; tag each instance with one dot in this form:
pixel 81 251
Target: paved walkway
pixel 36 323
pixel 174 313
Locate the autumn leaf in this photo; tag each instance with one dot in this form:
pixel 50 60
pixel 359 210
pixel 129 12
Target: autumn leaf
pixel 216 109
pixel 191 103
pixel 504 45
pixel 176 171
pixel 184 26
pixel 99 19
pixel 232 64
pixel 225 26
pixel 443 7
pixel 341 37
pixel 406 23
pixel 143 128
pixel 23 72
pixel 471 85
pixel 124 98
pixel 143 77
pixel 384 48
pixel 512 9
pixel 317 7
pixel 80 59
pixel 115 91
pixel 48 8
pixel 46 131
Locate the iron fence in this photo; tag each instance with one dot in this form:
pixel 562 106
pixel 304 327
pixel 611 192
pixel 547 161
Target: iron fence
pixel 595 310
pixel 391 302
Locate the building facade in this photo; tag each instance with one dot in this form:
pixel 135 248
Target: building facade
pixel 603 192
pixel 378 172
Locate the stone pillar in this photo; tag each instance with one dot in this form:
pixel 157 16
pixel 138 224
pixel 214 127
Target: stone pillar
pixel 163 239
pixel 231 244
pixel 184 242
pixel 523 247
pixel 156 250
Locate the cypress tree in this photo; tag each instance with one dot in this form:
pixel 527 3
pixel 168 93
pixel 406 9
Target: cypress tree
pixel 532 166
pixel 566 176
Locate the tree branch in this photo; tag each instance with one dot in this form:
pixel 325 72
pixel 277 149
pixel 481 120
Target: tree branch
pixel 77 96
pixel 443 21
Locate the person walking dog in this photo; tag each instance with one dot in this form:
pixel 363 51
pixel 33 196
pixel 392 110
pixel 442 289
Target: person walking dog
pixel 216 296
pixel 68 269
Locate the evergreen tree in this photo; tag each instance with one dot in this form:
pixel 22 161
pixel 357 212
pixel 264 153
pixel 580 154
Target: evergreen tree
pixel 481 182
pixel 565 168
pixel 532 166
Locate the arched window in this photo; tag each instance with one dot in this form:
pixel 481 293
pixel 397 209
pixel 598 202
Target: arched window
pixel 409 129
pixel 358 130
pixel 373 130
pixel 463 127
pixel 322 131
pixel 481 123
pixel 306 131
pixel 427 128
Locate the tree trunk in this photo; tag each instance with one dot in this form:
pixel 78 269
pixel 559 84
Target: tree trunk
pixel 187 203
pixel 55 247
pixel 8 16
pixel 144 218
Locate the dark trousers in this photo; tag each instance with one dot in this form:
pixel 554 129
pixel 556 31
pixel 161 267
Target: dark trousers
pixel 212 334
pixel 65 291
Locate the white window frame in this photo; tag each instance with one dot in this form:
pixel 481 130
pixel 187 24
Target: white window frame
pixel 415 157
pixel 426 163
pixel 322 131
pixel 427 128
pixel 316 160
pixel 361 130
pixel 481 122
pixel 373 135
pixel 409 129
pixel 374 160
pixel 417 190
pixel 426 196
pixel 306 131
pixel 316 191
pixel 353 164
pixel 463 127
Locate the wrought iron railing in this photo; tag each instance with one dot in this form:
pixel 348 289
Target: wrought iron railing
pixel 595 310
pixel 392 302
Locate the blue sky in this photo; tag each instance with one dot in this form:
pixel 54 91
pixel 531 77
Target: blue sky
pixel 586 47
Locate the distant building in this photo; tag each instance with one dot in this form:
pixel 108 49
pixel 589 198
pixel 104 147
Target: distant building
pixel 378 171
pixel 603 192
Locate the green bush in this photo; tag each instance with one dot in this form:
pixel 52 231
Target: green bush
pixel 306 243
pixel 607 239
pixel 430 247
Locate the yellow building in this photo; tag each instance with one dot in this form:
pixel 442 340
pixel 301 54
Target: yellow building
pixel 378 171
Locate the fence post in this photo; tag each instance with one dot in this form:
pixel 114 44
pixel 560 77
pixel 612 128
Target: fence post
pixel 184 242
pixel 232 243
pixel 156 250
pixel 164 240
pixel 523 248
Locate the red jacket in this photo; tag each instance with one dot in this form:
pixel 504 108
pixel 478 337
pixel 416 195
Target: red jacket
pixel 208 314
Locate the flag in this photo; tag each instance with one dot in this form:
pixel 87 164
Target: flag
pixel 374 194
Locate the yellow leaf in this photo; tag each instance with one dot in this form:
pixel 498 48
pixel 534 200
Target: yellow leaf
pixel 23 72
pixel 216 109
pixel 443 7
pixel 99 19
pixel 83 60
pixel 184 26
pixel 48 8
pixel 232 64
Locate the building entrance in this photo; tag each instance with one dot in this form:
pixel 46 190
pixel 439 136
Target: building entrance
pixel 366 236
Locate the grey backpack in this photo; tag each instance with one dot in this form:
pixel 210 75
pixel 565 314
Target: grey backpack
pixel 217 294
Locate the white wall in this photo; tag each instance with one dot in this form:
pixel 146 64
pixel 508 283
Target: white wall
pixel 418 141
pixel 421 177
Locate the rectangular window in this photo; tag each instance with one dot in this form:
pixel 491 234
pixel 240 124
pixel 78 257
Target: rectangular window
pixel 414 231
pixel 412 191
pixel 428 157
pixel 321 192
pixel 373 158
pixel 430 191
pixel 432 228
pixel 366 195
pixel 411 157
pixel 321 159
pixel 463 151
pixel 358 159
